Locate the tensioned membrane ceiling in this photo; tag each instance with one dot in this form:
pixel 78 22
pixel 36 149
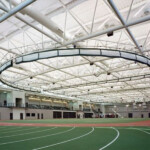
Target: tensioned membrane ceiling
pixel 117 25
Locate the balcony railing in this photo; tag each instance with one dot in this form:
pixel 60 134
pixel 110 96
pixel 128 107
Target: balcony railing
pixel 12 105
pixel 33 106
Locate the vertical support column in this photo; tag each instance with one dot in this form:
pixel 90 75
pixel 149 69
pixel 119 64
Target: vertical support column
pixel 62 115
pixel 103 110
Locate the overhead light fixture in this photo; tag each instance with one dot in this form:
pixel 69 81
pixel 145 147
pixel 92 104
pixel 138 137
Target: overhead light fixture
pixel 91 63
pixel 108 73
pixel 110 33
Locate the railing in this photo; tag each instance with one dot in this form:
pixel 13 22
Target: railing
pixel 87 109
pixel 12 105
pixel 90 110
pixel 33 106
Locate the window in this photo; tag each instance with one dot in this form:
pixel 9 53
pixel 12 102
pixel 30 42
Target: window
pixel 33 114
pixel 27 114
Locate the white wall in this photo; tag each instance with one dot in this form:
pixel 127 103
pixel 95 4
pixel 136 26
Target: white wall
pixel 18 94
pixel 9 97
pixel 76 105
pixel 16 113
pixel 5 113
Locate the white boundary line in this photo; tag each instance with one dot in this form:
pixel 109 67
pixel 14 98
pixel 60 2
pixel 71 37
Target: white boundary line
pixel 145 129
pixel 18 130
pixel 139 130
pixel 37 137
pixel 28 132
pixel 65 141
pixel 112 140
pixel 2 127
pixel 10 129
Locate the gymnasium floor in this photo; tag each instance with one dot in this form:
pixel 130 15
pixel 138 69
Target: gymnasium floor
pixel 27 135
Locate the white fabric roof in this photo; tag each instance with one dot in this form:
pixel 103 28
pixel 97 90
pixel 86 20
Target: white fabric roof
pixel 88 22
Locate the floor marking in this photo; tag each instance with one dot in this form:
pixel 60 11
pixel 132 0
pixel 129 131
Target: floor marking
pixel 37 137
pixel 140 130
pixel 18 130
pixel 136 128
pixel 112 140
pixel 104 127
pixel 145 129
pixel 11 129
pixel 65 141
pixel 27 133
pixel 1 127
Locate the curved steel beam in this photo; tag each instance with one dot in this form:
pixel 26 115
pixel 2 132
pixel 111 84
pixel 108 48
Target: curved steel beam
pixel 82 52
pixel 69 52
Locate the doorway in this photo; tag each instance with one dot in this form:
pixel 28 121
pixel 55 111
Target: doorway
pixel 41 116
pixel 5 103
pixel 38 116
pixel 21 116
pixel 11 116
pixel 130 115
pixel 142 116
pixel 18 102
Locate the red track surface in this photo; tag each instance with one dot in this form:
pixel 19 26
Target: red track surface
pixel 139 123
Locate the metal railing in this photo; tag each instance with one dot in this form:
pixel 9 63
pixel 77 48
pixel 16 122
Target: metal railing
pixel 32 106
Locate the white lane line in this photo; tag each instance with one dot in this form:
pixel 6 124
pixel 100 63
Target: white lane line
pixel 134 128
pixel 65 141
pixel 104 127
pixel 145 129
pixel 37 137
pixel 140 130
pixel 112 140
pixel 10 129
pixel 18 130
pixel 2 127
pixel 28 132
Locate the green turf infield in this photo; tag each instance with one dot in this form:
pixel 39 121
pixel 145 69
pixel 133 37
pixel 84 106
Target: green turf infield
pixel 79 121
pixel 74 138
